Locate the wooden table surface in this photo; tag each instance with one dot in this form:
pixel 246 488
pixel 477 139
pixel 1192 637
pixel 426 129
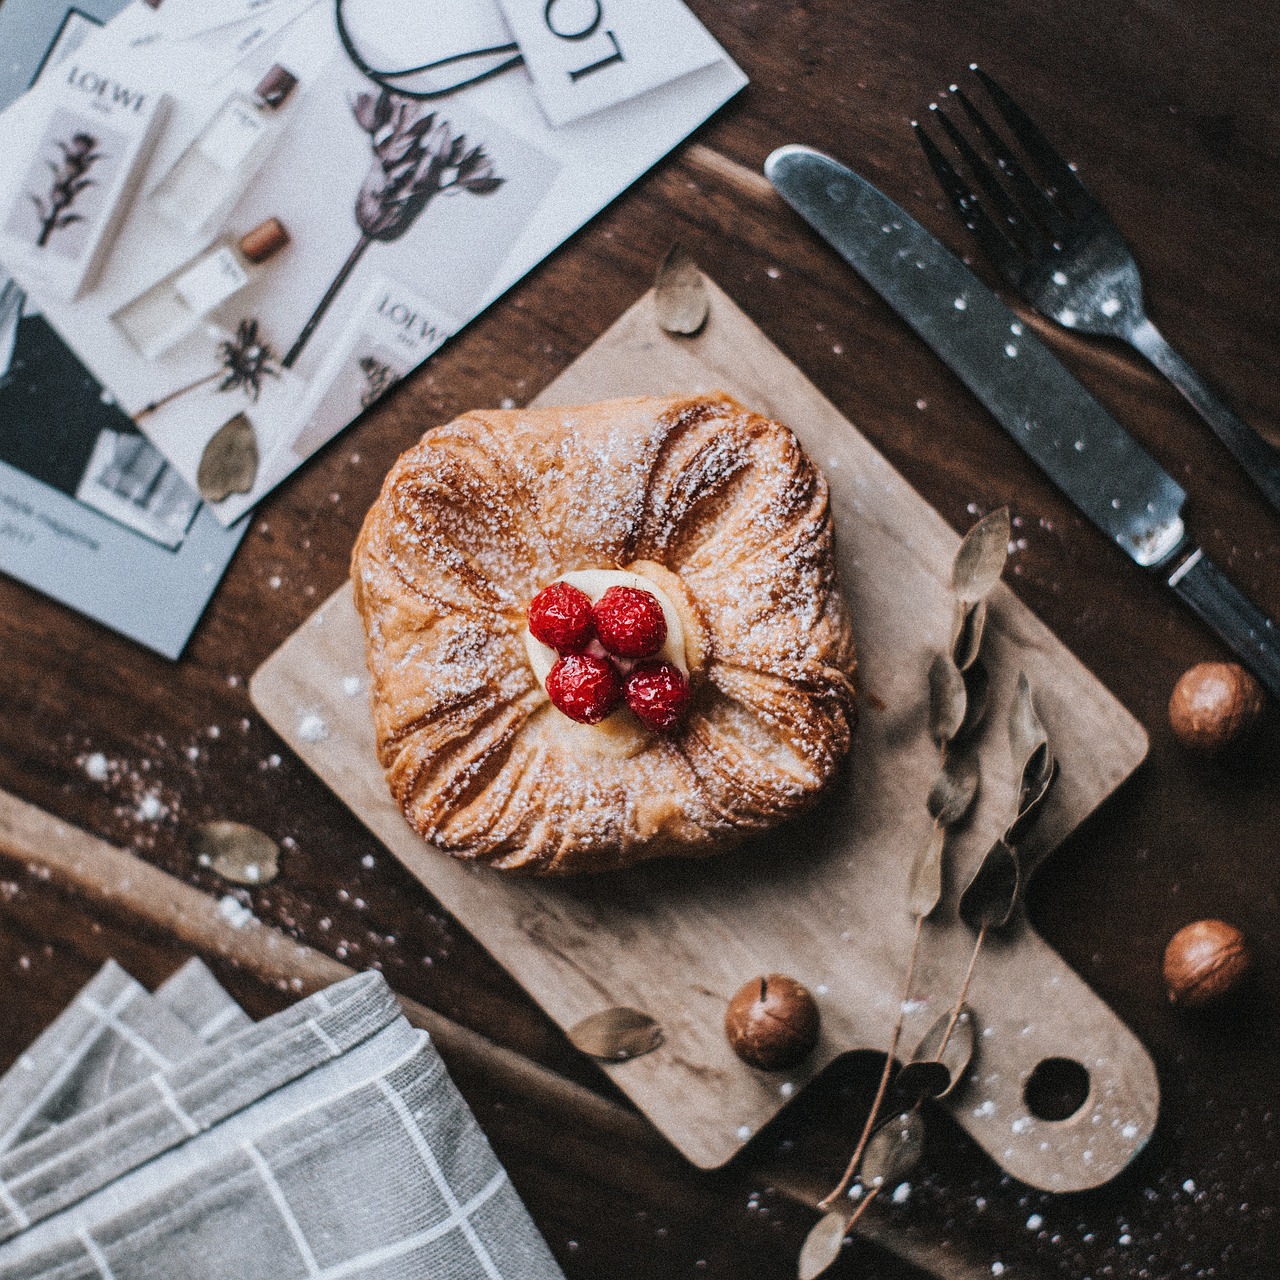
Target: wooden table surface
pixel 1170 111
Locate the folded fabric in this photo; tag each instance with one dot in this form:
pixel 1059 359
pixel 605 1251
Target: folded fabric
pixel 327 1141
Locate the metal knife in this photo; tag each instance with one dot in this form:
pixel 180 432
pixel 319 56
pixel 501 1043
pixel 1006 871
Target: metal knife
pixel 1073 439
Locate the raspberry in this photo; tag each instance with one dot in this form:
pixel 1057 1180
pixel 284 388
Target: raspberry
pixel 560 615
pixel 584 687
pixel 658 695
pixel 630 622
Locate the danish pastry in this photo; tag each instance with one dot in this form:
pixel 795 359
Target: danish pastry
pixel 746 704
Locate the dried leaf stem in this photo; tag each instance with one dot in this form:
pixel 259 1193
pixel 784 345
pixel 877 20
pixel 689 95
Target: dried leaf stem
pixel 828 1201
pixel 958 684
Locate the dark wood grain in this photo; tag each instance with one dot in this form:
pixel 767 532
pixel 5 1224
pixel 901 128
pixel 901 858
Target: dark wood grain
pixel 1170 111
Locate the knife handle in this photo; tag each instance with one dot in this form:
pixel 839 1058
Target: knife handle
pixel 1237 620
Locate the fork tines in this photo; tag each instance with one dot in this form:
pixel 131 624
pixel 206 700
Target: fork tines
pixel 1020 218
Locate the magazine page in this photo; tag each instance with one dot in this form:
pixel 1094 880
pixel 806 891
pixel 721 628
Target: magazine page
pixel 91 513
pixel 341 199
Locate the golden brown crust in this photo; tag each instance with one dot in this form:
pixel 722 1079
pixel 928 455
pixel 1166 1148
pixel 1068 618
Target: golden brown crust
pixel 474 520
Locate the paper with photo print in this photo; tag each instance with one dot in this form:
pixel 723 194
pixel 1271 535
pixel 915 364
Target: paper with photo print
pixel 445 202
pixel 91 513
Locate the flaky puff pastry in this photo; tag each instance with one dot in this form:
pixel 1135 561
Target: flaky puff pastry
pixel 718 506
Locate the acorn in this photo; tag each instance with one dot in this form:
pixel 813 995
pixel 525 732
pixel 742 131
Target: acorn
pixel 1204 963
pixel 772 1022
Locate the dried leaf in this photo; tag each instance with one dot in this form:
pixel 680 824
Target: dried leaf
pixel 925 885
pixel 229 463
pixel 239 853
pixel 966 633
pixel 823 1244
pixel 977 684
pixel 1029 745
pixel 991 895
pixel 920 1082
pixel 947 699
pixel 616 1035
pixel 953 790
pixel 981 558
pixel 956 1054
pixel 680 294
pixel 1026 732
pixel 1031 795
pixel 894 1150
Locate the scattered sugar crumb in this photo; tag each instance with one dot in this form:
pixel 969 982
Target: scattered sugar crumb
pixel 234 912
pixel 922 404
pixel 1189 1186
pixel 744 1132
pixel 352 686
pixel 274 582
pixel 151 808
pixel 997 1268
pixel 96 766
pixel 902 1193
pixel 786 1088
pixel 1035 1222
pixel 312 728
pixel 508 403
pixel 368 862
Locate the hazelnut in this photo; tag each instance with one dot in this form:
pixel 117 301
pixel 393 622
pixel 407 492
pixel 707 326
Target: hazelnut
pixel 1205 962
pixel 1213 704
pixel 772 1022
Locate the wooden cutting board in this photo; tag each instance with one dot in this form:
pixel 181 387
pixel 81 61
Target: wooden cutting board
pixel 823 898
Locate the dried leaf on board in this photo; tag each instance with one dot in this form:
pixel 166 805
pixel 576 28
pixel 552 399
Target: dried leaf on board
pixel 1029 745
pixel 977 685
pixel 967 630
pixel 925 884
pixel 989 899
pixel 823 1244
pixel 229 463
pixel 920 1082
pixel 239 853
pixel 894 1150
pixel 947 699
pixel 956 1054
pixel 981 558
pixel 953 790
pixel 616 1035
pixel 680 294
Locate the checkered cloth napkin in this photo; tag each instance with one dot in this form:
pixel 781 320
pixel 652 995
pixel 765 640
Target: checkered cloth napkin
pixel 149 1137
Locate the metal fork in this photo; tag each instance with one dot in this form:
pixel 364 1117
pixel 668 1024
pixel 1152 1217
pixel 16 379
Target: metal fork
pixel 1057 246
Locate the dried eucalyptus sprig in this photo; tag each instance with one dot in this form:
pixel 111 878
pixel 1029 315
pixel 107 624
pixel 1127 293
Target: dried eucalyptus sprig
pixel 990 897
pixel 957 705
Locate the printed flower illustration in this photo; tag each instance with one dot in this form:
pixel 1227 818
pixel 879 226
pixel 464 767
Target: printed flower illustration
pixel 416 157
pixel 70 178
pixel 379 378
pixel 244 360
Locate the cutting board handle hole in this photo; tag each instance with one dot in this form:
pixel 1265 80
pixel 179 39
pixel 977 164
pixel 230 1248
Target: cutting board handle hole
pixel 1056 1089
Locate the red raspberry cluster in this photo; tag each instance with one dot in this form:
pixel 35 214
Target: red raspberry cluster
pixel 607 655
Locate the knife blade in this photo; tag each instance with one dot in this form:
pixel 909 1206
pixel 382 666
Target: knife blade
pixel 1109 476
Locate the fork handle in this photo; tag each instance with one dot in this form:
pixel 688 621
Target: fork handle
pixel 1259 458
pixel 1248 631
